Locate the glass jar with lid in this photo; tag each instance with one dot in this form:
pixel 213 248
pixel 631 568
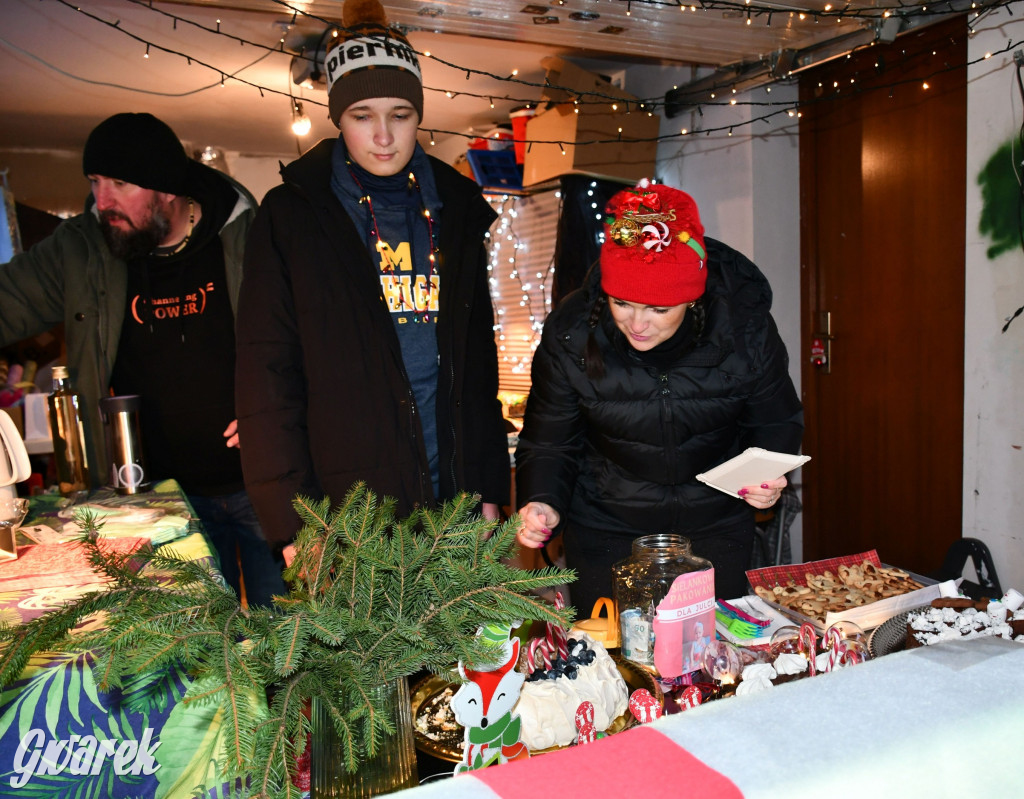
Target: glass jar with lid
pixel 665 602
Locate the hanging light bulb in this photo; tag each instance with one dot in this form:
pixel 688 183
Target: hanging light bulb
pixel 301 123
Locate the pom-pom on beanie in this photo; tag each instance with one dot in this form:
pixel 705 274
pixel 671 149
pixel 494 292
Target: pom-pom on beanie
pixel 370 59
pixel 653 251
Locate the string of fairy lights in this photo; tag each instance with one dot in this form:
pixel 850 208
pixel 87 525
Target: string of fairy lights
pixel 505 243
pixel 505 268
pixel 828 11
pixel 749 9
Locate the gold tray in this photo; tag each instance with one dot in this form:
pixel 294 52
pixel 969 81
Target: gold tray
pixel 431 685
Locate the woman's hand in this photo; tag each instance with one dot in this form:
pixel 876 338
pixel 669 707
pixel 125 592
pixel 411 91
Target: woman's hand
pixel 231 434
pixel 537 520
pixel 764 496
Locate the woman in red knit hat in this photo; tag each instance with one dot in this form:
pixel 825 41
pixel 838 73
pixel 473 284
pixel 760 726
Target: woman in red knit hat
pixel 663 365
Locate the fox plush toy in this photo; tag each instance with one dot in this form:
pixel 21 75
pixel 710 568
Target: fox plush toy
pixel 483 706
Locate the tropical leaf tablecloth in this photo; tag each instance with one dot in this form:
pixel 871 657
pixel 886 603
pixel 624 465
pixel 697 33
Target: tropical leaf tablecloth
pixel 60 736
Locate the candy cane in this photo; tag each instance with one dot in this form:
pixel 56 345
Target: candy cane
pixel 536 649
pixel 560 635
pixel 851 657
pixel 807 644
pixel 836 647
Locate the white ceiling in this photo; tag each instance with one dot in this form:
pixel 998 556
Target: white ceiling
pixel 66 66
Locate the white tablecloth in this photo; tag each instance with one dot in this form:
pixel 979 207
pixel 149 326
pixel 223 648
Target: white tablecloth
pixel 939 721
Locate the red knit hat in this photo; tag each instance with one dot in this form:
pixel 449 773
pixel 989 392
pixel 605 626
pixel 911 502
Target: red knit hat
pixel 653 251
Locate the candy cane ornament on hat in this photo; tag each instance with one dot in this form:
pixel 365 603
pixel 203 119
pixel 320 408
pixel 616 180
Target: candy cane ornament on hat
pixel 653 251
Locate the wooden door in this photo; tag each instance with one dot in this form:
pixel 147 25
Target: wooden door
pixel 883 183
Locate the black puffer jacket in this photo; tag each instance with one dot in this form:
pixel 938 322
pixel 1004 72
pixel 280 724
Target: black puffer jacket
pixel 322 395
pixel 621 452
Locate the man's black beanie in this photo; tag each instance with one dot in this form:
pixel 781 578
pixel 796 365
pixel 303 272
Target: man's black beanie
pixel 139 149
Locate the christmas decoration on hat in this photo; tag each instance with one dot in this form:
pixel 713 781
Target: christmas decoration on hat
pixel 370 59
pixel 653 252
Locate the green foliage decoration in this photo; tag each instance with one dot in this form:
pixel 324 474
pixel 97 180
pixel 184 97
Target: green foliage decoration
pixel 1002 212
pixel 1002 215
pixel 372 598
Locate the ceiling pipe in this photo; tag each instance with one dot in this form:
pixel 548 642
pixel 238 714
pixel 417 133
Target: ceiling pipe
pixel 786 63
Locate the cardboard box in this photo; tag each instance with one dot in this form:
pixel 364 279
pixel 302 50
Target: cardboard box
pixel 567 82
pixel 618 145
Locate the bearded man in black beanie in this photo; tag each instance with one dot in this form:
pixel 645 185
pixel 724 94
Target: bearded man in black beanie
pixel 146 281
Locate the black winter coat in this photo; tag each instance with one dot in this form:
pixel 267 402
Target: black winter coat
pixel 322 396
pixel 621 452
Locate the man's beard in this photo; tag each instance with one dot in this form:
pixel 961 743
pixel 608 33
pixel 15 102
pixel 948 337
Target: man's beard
pixel 135 242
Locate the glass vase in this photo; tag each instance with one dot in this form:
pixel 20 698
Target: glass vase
pixel 392 768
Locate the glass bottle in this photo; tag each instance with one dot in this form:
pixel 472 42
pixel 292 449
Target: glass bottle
pixel 665 602
pixel 68 434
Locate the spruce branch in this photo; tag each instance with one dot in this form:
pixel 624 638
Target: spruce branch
pixel 372 598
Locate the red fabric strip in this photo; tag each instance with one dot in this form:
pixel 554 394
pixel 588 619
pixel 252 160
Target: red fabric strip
pixel 638 762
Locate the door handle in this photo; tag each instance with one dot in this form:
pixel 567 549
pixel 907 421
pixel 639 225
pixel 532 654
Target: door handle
pixel 821 343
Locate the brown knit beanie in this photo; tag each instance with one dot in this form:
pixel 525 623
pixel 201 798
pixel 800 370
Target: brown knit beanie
pixel 370 59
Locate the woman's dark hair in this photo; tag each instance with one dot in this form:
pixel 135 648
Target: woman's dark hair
pixel 592 352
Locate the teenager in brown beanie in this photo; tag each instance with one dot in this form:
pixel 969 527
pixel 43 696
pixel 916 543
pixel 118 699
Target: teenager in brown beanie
pixel 366 343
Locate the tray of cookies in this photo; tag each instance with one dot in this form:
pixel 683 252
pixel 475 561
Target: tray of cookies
pixel 855 588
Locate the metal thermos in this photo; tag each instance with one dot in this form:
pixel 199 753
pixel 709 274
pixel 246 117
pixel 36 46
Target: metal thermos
pixel 124 443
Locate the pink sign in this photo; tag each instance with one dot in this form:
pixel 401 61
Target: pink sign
pixel 684 624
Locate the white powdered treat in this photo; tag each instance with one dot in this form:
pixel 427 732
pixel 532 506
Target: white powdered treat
pixel 997 612
pixel 756 671
pixel 921 623
pixel 548 707
pixel 1013 599
pixel 754 685
pixel 788 663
